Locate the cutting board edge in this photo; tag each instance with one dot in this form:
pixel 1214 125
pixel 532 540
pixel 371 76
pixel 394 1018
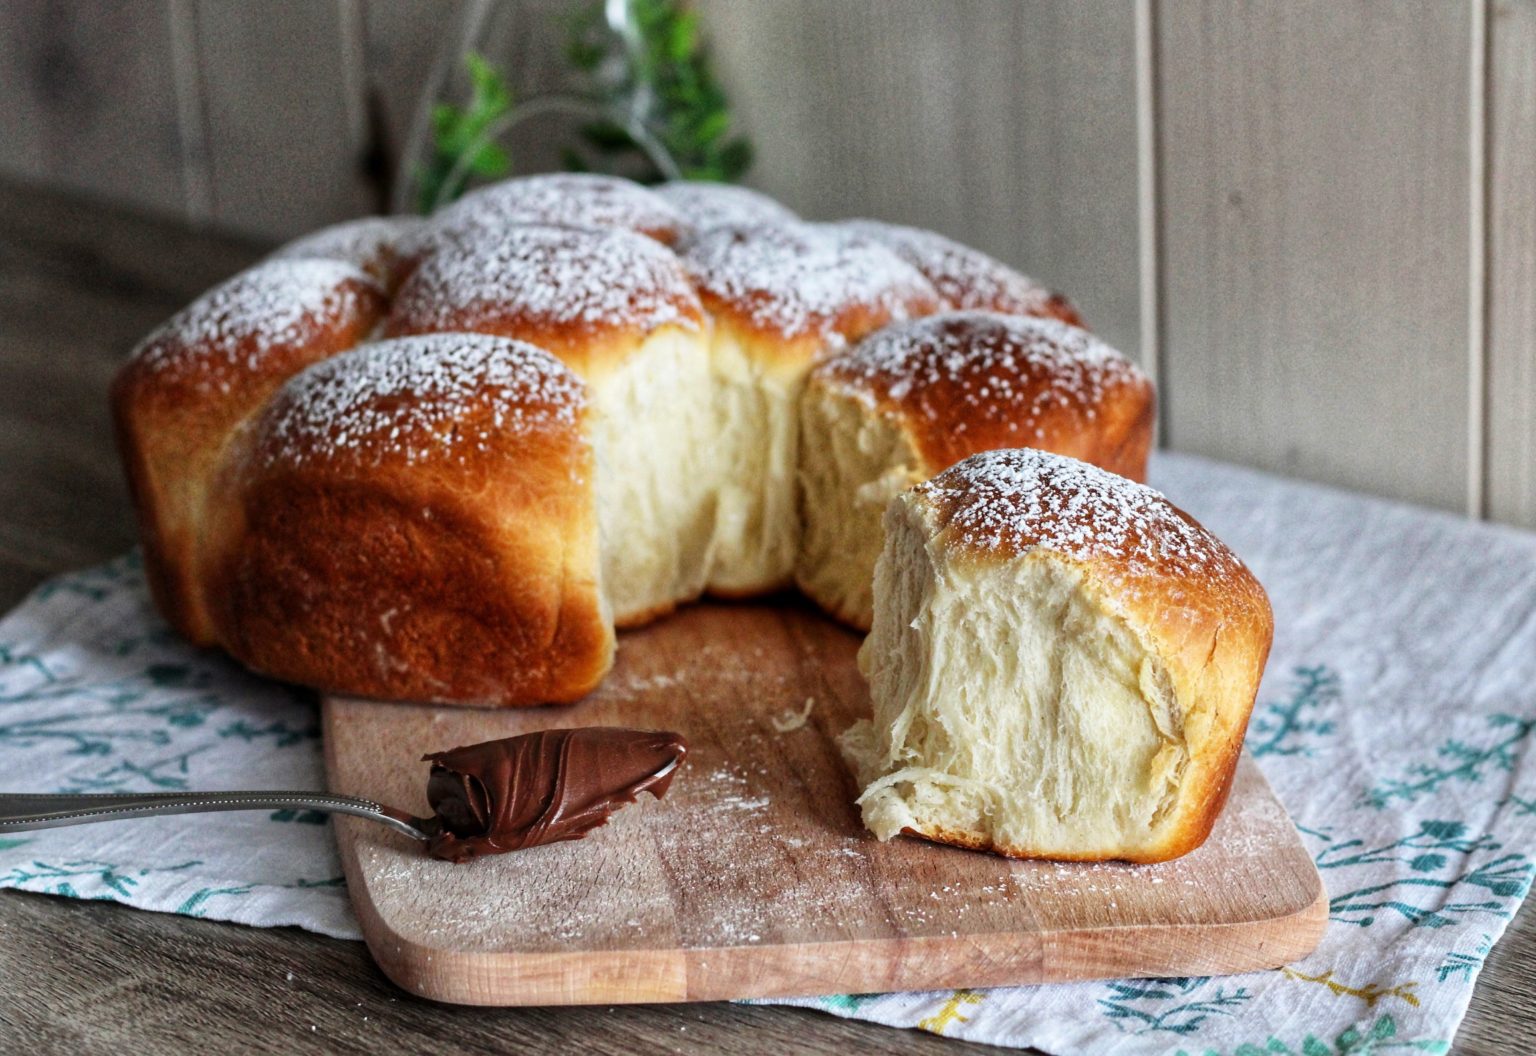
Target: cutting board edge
pixel 654 976
pixel 501 979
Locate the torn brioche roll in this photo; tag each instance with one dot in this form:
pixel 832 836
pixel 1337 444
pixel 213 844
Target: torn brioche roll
pixel 914 399
pixel 1062 665
pixel 618 309
pixel 782 297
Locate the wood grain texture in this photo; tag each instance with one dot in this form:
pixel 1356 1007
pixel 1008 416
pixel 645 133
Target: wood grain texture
pixel 402 42
pixel 284 116
pixel 1314 211
pixel 1011 126
pixel 1511 423
pixel 90 99
pixel 87 278
pixel 755 877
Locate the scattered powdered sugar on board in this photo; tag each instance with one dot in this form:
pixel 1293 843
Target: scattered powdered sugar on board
pixel 278 303
pixel 728 792
pixel 1023 499
pixel 965 277
pixel 364 243
pixel 421 398
pixel 705 206
pixel 565 199
pixel 1002 366
pixel 795 279
pixel 547 275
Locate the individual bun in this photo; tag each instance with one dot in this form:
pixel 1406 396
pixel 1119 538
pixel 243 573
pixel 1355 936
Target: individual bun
pixel 705 206
pixel 1062 665
pixel 589 296
pixel 917 397
pixel 791 293
pixel 782 296
pixel 618 309
pixel 188 386
pixel 966 277
pixel 378 245
pixel 562 199
pixel 417 519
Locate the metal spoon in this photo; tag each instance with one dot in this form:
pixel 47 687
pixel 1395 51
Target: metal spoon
pixel 22 812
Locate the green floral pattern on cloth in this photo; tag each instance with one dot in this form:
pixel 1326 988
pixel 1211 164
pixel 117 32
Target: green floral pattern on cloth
pixel 98 695
pixel 1396 724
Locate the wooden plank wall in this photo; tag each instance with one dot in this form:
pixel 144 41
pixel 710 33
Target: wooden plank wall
pixel 1511 262
pixel 1315 220
pixel 1009 125
pixel 1314 211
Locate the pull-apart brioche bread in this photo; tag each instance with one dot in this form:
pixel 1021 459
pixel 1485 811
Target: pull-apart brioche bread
pixel 913 399
pixel 1062 665
pixel 690 317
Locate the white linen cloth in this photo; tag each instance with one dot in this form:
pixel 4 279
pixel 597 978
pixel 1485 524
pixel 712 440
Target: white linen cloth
pixel 1395 722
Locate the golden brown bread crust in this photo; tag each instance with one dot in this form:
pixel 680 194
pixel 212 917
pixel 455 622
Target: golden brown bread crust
pixel 794 291
pixel 447 553
pixel 188 386
pixel 1194 605
pixel 967 278
pixel 964 382
pixel 588 296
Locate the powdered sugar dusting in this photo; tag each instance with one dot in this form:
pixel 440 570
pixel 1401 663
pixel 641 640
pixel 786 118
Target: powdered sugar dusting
pixel 705 206
pixel 421 399
pixel 796 279
pixel 547 276
pixel 1022 500
pixel 364 243
pixel 1005 367
pixel 278 303
pixel 565 199
pixel 965 277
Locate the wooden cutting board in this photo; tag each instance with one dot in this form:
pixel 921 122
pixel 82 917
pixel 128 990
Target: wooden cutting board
pixel 754 877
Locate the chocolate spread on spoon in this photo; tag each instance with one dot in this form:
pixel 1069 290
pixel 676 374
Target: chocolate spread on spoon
pixel 543 787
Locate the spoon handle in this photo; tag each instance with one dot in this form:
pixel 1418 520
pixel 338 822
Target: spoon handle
pixel 20 812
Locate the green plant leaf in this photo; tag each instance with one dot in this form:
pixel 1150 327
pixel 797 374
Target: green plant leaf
pixel 490 161
pixel 736 158
pixel 692 117
pixel 460 146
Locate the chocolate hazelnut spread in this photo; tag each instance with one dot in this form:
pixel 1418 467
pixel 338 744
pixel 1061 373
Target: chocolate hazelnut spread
pixel 543 787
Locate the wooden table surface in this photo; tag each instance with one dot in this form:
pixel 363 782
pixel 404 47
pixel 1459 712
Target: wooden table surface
pixel 79 284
